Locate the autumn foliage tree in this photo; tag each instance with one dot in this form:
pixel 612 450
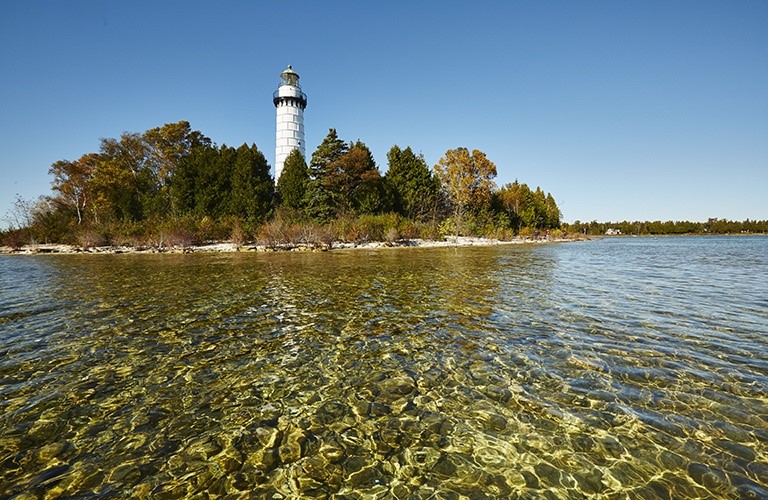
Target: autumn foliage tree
pixel 467 178
pixel 355 181
pixel 131 179
pixel 71 180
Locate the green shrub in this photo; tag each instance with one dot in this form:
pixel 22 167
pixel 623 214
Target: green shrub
pixel 430 231
pixel 526 232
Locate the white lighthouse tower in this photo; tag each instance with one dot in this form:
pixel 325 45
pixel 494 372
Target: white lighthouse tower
pixel 290 102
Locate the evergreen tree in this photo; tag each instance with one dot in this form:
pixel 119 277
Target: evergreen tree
pixel 510 201
pixel 355 181
pixel 412 186
pixel 527 211
pixel 252 185
pixel 293 181
pixel 331 149
pixel 553 214
pixel 187 176
pixel 528 208
pixel 213 185
pixel 540 207
pixel 320 202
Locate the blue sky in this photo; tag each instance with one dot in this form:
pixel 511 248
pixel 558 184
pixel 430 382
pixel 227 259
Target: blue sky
pixel 622 110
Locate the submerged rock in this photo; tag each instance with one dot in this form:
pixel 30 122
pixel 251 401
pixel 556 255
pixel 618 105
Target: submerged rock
pixel 332 450
pixel 396 387
pixel 292 445
pixel 706 476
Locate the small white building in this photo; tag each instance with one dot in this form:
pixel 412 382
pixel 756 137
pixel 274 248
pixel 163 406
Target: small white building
pixel 290 102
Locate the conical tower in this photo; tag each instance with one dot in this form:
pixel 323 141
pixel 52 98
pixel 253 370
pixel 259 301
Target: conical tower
pixel 290 102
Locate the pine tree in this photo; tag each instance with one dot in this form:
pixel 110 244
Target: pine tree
pixel 320 202
pixel 252 185
pixel 331 149
pixel 293 181
pixel 412 186
pixel 355 181
pixel 553 212
pixel 214 184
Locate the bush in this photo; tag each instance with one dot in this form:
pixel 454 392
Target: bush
pixel 430 231
pixel 180 238
pixel 317 236
pixel 392 235
pixel 132 234
pixel 408 229
pixel 370 228
pixel 526 232
pixel 238 236
pixel 344 229
pixel 174 232
pixel 15 238
pixel 448 227
pixel 89 237
pixel 206 228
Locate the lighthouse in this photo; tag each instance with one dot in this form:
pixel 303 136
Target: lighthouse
pixel 290 102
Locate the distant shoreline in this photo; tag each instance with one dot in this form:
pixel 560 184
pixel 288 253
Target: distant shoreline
pixel 459 241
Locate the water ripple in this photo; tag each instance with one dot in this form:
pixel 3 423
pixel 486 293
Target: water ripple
pixel 633 367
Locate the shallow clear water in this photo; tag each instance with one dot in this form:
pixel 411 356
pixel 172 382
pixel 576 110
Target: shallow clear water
pixel 632 367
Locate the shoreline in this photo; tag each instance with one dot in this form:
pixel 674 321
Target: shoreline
pixel 227 247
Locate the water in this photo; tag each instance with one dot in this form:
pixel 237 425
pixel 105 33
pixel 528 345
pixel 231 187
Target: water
pixel 614 368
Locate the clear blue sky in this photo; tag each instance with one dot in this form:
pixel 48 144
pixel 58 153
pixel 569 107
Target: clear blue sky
pixel 622 110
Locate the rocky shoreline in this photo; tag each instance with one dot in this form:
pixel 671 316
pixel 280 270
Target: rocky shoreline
pixel 226 247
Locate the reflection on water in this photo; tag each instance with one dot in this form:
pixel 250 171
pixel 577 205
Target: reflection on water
pixel 631 367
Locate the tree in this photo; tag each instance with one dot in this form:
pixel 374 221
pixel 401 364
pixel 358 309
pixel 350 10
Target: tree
pixel 191 174
pixel 511 201
pixel 467 178
pixel 331 149
pixel 320 201
pixel 114 191
pixel 293 181
pixel 214 185
pixel 540 208
pixel 143 165
pixel 168 145
pixel 552 212
pixel 355 181
pixel 528 208
pixel 412 186
pixel 21 215
pixel 252 184
pixel 71 179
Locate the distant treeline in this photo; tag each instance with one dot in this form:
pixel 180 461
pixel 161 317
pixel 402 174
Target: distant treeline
pixel 712 226
pixel 172 185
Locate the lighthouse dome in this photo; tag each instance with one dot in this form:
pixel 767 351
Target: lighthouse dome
pixel 289 77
